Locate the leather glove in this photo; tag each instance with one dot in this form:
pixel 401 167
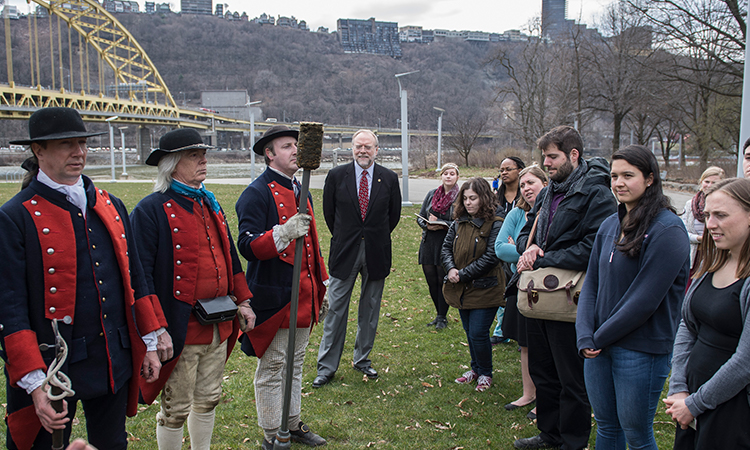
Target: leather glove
pixel 294 228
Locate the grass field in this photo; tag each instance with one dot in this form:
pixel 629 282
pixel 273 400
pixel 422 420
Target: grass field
pixel 415 403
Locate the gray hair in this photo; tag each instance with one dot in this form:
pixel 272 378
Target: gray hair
pixel 166 167
pixel 366 131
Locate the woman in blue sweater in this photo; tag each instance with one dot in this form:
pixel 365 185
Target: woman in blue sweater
pixel 629 307
pixel 531 181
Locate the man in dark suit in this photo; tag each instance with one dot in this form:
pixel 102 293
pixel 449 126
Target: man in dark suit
pixel 362 206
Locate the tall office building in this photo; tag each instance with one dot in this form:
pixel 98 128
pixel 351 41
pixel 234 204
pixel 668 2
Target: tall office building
pixel 553 17
pixel 196 7
pixel 369 36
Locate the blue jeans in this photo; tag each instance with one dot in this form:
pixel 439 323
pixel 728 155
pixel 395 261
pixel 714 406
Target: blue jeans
pixel 477 323
pixel 624 388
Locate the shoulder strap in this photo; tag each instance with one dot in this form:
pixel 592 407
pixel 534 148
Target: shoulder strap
pixel 533 231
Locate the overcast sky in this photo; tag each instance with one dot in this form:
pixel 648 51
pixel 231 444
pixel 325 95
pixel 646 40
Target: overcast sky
pixel 476 15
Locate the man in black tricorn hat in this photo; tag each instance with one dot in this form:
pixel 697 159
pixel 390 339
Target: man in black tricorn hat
pixel 188 256
pixel 269 225
pixel 66 246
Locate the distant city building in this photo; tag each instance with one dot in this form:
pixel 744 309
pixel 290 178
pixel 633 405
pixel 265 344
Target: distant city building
pixel 303 26
pixel 287 22
pixel 265 19
pixel 323 30
pixel 553 17
pixel 219 11
pixel 117 6
pixel 447 34
pixel 150 7
pixel 163 8
pixel 10 11
pixel 369 36
pixel 243 16
pixel 428 36
pixel 196 7
pixel 410 33
pixel 232 104
pixel 475 36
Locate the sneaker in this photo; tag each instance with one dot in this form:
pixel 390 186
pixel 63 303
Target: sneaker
pixel 494 340
pixel 467 377
pixel 483 383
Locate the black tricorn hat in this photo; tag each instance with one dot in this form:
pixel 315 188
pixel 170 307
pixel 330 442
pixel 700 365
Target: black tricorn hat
pixel 272 133
pixel 47 124
pixel 176 141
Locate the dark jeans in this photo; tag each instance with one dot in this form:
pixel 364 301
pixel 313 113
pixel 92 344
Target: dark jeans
pixel 477 324
pixel 562 406
pixel 434 276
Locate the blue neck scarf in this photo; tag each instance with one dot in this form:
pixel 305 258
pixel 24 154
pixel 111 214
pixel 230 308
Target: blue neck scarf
pixel 197 194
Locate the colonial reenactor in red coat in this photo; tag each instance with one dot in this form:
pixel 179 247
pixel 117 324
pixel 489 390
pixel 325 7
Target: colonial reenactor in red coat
pixel 69 255
pixel 189 257
pixel 269 225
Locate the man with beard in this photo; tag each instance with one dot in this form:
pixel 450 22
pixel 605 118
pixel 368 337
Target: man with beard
pixel 570 211
pixel 362 206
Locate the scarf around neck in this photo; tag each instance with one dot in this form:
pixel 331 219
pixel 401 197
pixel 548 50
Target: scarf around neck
pixel 565 187
pixel 197 194
pixel 442 201
pixel 699 202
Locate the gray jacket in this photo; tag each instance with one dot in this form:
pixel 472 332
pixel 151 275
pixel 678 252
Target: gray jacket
pixel 731 378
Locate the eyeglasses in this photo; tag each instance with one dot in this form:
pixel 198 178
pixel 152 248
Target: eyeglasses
pixel 503 170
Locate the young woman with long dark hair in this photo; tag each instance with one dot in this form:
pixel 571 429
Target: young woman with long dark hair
pixel 629 306
pixel 475 281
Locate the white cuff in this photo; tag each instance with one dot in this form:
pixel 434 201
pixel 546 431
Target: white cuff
pixel 150 340
pixel 32 380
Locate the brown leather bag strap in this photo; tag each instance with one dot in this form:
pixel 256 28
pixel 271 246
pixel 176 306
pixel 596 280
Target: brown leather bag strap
pixel 533 231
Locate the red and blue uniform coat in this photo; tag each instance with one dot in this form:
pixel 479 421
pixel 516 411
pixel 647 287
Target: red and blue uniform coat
pixel 269 201
pixel 80 270
pixel 170 246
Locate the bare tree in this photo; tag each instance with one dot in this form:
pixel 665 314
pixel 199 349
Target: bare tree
pixel 618 64
pixel 465 130
pixel 712 30
pixel 534 86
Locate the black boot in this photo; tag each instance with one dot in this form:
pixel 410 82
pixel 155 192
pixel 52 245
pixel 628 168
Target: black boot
pixel 434 322
pixel 442 322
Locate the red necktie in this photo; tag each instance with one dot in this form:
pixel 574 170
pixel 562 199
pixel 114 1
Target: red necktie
pixel 363 197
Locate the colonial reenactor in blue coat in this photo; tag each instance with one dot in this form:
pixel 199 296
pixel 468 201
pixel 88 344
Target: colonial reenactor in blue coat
pixel 269 225
pixel 69 255
pixel 188 254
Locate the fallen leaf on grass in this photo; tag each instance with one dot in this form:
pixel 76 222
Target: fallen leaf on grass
pixel 464 344
pixel 132 438
pixel 245 441
pixel 426 384
pixel 461 403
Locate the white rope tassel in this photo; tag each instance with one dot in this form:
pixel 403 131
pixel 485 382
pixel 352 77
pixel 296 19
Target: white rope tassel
pixel 54 376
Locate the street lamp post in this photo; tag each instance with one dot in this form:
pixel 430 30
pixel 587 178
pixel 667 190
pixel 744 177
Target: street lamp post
pixel 440 136
pixel 404 140
pixel 122 143
pixel 252 138
pixel 112 144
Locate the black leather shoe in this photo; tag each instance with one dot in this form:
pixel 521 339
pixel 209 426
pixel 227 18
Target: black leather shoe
pixel 533 442
pixel 531 415
pixel 368 371
pixel 304 436
pixel 267 445
pixel 511 406
pixel 322 380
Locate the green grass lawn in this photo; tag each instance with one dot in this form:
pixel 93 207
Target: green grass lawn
pixel 415 403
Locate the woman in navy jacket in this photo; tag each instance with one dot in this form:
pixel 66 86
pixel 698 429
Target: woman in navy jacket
pixel 630 303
